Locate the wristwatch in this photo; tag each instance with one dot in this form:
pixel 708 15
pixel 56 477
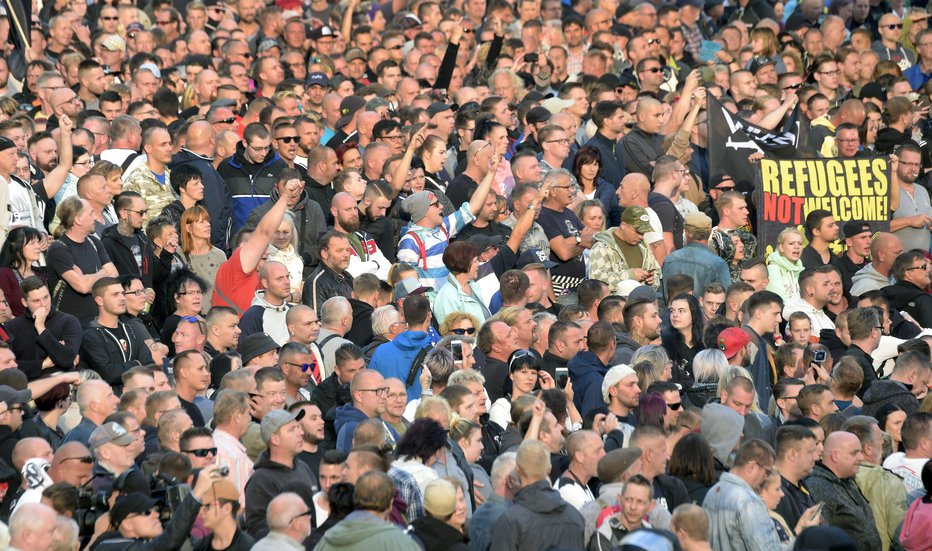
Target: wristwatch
pixel 578 240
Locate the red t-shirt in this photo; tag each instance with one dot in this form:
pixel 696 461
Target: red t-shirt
pixel 236 284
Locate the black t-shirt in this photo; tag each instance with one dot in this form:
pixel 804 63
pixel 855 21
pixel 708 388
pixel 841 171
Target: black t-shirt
pixel 811 257
pixel 670 219
pixel 563 224
pixel 193 411
pixel 63 255
pixel 312 460
pixel 461 189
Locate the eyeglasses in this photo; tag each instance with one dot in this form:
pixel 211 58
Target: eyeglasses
pixel 304 367
pixel 196 293
pixel 88 163
pixel 563 141
pixel 892 26
pixel 392 137
pixel 139 212
pixel 847 140
pixel 830 73
pixel 923 267
pixel 265 148
pixel 469 31
pixel 86 459
pixel 436 204
pixel 231 120
pixel 204 452
pixel 380 392
pixel 652 70
pixel 163 23
pixel 768 470
pixel 304 514
pixel 16 408
pixel 135 293
pixel 288 139
pixel 463 331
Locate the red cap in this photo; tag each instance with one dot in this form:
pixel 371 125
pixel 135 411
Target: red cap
pixel 732 340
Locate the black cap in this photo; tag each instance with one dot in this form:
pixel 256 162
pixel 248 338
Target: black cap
pixel 437 107
pixel 535 256
pixel 255 345
pixel 854 227
pixel 318 33
pixel 760 62
pixel 6 143
pixel 484 242
pixel 128 504
pixel 348 108
pixel 537 115
pixel 873 90
pixel 10 396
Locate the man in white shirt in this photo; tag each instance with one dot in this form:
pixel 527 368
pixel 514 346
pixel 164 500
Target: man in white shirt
pixel 814 290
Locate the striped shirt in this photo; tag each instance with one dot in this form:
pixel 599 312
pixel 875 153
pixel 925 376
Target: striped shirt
pixel 423 247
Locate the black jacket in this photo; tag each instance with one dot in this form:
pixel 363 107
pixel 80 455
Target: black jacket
pixel 904 295
pixel 539 519
pixel 250 184
pixel 173 538
pixel 322 195
pixel 672 491
pixel 324 283
pixel 120 249
pixel 267 481
pixel 885 392
pixel 329 395
pixel 217 198
pixel 436 535
pixel 845 506
pixel 613 158
pixel 550 362
pixel 361 331
pixel 867 367
pixel 100 351
pixel 496 377
pixel 60 341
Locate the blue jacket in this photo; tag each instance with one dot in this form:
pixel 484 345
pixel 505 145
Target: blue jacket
pixel 587 373
pixel 217 198
pixel 394 359
pixel 249 183
pixel 347 417
pixel 700 263
pixel 605 192
pixel 738 517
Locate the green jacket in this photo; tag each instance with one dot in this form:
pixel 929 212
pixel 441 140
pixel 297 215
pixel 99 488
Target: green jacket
pixel 887 495
pixel 784 276
pixel 606 263
pixel 363 531
pixel 157 196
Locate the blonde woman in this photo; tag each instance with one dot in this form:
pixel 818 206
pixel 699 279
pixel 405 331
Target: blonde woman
pixel 784 266
pixel 284 249
pixel 198 253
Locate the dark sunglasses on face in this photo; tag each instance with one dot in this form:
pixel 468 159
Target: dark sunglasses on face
pixel 460 331
pixel 202 452
pixel 231 120
pixel 288 139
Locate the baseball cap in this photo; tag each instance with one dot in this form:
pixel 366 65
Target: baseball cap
pixel 555 105
pixel 321 32
pixel 275 420
pixel 614 376
pixel 694 3
pixel 642 293
pixel 437 107
pixel 439 498
pixel 318 78
pixel 760 62
pixel 110 433
pixel 698 220
pixel 128 504
pixel 853 228
pixel 10 396
pixel 650 539
pixel 114 43
pixel 410 286
pixel 348 108
pixel 221 489
pixel 616 462
pixel 353 54
pixel 267 45
pixel 255 345
pixel 873 90
pixel 538 115
pixel 732 340
pixel 135 26
pixel 636 216
pixel 535 256
pixel 484 242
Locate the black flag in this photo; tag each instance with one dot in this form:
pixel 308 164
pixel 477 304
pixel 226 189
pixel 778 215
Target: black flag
pixel 732 140
pixel 19 12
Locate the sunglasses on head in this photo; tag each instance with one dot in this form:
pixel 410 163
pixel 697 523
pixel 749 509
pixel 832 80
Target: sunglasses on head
pixel 467 331
pixel 202 452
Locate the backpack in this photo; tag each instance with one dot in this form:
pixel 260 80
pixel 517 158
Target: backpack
pixel 422 250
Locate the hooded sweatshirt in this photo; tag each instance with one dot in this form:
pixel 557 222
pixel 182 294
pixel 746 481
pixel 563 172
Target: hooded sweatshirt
pixel 250 183
pixel 347 418
pixel 784 276
pixel 887 391
pixel 363 531
pixel 917 526
pixel 539 519
pixel 267 481
pixel 722 428
pixel 868 279
pixel 908 297
pixel 394 359
pixel 587 373
pixel 264 317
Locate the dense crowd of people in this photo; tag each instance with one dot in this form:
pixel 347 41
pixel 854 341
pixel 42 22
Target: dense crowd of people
pixel 457 275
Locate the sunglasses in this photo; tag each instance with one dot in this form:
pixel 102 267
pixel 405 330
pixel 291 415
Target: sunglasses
pixel 109 18
pixel 202 452
pixel 892 26
pixel 231 120
pixel 190 319
pixel 517 356
pixel 288 139
pixel 304 367
pixel 676 406
pixel 460 331
pixel 652 70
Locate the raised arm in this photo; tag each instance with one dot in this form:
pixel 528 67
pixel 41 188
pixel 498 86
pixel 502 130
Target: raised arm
pixel 259 241
pixel 400 176
pixel 479 196
pixel 524 224
pixel 55 179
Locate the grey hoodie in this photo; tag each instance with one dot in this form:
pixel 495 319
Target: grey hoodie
pixel 722 427
pixel 868 279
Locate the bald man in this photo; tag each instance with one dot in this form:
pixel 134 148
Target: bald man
pixel 365 121
pixel 644 143
pixel 72 464
pixel 205 85
pixel 198 152
pixel 832 482
pixel 270 306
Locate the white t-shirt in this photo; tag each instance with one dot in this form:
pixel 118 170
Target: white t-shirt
pixel 909 468
pixel 657 235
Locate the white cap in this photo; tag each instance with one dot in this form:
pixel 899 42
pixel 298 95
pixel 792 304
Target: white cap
pixel 613 377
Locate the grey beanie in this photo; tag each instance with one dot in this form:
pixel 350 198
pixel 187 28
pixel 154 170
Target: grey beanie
pixel 418 204
pixel 722 428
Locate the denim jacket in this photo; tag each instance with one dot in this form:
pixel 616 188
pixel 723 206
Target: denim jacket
pixel 738 518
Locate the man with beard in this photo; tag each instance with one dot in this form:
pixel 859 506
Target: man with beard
pixel 857 250
pixel 312 446
pixel 372 217
pixel 837 301
pixel 365 256
pixel 814 290
pixel 763 318
pixel 912 219
pixel 330 279
pixel 303 327
pixel 296 364
pixel 642 323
